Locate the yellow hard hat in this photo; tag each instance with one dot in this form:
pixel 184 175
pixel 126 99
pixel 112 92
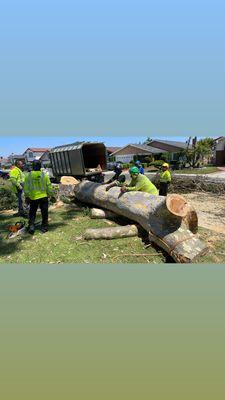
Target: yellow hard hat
pixel 165 165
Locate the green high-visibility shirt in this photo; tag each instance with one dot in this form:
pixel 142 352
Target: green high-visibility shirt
pixel 142 184
pixel 16 177
pixel 37 185
pixel 165 176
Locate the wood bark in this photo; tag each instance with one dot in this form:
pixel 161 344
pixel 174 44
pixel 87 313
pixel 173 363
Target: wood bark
pixel 111 233
pixel 162 217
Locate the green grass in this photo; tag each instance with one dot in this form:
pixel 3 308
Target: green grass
pixel 64 244
pixel 207 170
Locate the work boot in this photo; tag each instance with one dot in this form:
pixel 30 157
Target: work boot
pixel 44 229
pixel 31 229
pixel 23 214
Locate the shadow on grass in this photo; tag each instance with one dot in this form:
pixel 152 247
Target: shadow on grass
pixel 67 215
pixel 7 248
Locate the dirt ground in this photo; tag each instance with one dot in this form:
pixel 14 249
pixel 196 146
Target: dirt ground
pixel 210 209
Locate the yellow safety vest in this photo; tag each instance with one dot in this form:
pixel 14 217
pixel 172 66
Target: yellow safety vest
pixel 16 177
pixel 37 185
pixel 165 176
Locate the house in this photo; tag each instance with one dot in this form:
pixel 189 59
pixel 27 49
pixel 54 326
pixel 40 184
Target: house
pixel 45 159
pixel 32 153
pixel 110 151
pixel 219 151
pixel 126 154
pixel 16 157
pixel 169 146
pixel 5 163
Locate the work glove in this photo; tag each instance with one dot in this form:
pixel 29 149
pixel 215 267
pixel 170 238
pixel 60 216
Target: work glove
pixel 53 199
pixel 109 187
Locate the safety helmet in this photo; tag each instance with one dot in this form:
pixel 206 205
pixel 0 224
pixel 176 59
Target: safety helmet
pixel 166 165
pixel 137 162
pixel 134 170
pixel 36 165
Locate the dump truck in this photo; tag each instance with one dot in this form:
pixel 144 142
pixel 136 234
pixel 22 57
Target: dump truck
pixel 82 160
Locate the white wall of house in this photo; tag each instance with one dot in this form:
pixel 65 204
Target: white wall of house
pixel 220 144
pixel 124 158
pixel 31 155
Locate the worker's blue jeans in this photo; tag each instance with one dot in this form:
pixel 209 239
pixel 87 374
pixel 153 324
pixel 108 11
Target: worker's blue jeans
pixel 20 201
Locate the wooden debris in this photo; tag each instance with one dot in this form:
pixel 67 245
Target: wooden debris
pixel 98 213
pixel 68 180
pixel 111 233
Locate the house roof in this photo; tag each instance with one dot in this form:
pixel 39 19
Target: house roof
pixel 182 145
pixel 113 149
pixel 36 149
pixel 17 156
pixel 149 149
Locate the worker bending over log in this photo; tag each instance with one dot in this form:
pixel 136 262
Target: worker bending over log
pixel 139 183
pixel 117 172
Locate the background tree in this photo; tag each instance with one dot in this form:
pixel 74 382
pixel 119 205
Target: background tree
pixel 147 140
pixel 200 149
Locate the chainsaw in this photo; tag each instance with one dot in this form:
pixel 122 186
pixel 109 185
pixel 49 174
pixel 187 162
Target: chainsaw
pixel 16 229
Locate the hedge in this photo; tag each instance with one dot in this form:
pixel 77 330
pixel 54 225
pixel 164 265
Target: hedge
pixel 8 199
pixel 157 163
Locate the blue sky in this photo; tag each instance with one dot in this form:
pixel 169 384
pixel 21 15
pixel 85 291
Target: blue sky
pixel 111 68
pixel 18 145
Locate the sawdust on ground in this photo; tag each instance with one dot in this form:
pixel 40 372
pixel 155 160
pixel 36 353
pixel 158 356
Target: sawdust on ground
pixel 210 210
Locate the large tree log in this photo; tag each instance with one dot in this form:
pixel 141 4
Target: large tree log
pixel 162 217
pixel 111 233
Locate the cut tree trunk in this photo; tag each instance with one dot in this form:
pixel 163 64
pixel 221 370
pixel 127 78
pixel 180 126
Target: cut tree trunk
pixel 101 214
pixel 162 217
pixel 111 233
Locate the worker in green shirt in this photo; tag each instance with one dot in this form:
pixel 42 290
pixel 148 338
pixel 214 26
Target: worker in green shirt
pixel 139 183
pixel 165 179
pixel 16 177
pixel 37 189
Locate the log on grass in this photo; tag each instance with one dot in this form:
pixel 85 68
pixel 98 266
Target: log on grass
pixel 111 233
pixel 98 213
pixel 162 217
